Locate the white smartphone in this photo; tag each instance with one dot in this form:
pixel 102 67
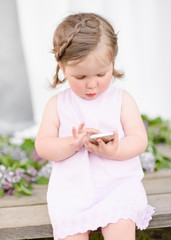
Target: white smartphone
pixel 106 137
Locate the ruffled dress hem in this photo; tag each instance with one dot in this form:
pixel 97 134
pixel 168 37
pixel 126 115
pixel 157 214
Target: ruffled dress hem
pixel 82 224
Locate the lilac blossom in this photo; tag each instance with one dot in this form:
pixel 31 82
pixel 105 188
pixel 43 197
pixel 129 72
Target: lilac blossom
pixel 34 155
pixel 9 178
pixel 27 178
pixel 11 192
pixel 146 125
pixel 148 161
pixel 45 170
pixel 19 172
pixel 15 152
pixel 32 171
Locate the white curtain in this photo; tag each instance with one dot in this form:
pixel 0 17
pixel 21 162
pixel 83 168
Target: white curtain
pixel 144 29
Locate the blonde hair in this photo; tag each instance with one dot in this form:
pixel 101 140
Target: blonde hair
pixel 78 35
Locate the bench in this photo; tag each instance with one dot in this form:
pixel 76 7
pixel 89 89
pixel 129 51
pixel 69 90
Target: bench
pixel 27 217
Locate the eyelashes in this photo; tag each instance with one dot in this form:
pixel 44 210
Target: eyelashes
pixel 83 77
pixel 101 75
pixel 80 77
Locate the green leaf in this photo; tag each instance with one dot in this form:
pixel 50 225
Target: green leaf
pixel 23 182
pixel 26 163
pixel 155 121
pixel 28 145
pixel 6 160
pixel 150 121
pixel 1 193
pixel 30 187
pixel 16 193
pixel 3 140
pixel 38 165
pixel 25 190
pixel 15 166
pixel 162 164
pixel 42 180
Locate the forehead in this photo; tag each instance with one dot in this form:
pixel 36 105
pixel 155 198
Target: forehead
pixel 95 61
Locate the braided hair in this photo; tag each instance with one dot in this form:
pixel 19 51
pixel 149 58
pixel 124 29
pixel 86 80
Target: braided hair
pixel 79 34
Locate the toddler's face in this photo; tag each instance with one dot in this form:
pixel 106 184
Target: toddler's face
pixel 89 78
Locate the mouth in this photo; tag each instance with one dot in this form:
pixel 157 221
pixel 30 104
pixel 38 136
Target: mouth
pixel 91 95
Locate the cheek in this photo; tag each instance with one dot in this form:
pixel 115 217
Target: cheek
pixel 106 81
pixel 76 86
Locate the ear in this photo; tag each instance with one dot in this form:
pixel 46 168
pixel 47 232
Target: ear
pixel 61 67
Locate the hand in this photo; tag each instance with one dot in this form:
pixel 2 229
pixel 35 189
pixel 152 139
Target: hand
pixel 78 137
pixel 107 150
pixel 91 131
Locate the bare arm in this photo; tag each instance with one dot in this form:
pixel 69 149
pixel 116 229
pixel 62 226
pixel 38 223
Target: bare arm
pixel 48 145
pixel 135 140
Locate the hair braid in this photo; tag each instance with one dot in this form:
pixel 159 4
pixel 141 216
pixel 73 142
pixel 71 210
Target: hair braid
pixel 59 54
pixel 56 78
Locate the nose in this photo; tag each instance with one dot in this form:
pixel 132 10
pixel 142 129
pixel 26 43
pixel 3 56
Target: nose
pixel 91 84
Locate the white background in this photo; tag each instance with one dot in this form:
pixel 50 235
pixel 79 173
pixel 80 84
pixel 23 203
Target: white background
pixel 144 47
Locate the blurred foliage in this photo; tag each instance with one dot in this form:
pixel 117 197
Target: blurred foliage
pixel 18 167
pixel 159 131
pixel 28 145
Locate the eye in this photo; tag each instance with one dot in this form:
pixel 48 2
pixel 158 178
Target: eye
pixel 100 74
pixel 80 77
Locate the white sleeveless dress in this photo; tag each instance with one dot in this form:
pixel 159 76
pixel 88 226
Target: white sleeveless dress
pixel 87 191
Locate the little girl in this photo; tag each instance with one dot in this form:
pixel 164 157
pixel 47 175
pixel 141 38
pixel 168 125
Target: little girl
pixel 92 185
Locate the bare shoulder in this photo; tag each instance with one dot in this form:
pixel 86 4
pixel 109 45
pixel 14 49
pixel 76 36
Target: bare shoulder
pixel 127 97
pixel 50 111
pixel 129 109
pixel 52 101
pixel 128 102
pixel 50 122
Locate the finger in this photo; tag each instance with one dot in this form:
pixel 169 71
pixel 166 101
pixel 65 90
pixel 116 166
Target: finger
pixel 74 132
pixel 116 137
pixel 80 127
pixel 101 143
pixel 82 136
pixel 115 140
pixel 90 146
pixel 92 130
pixel 86 141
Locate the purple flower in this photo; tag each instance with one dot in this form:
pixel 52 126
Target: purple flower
pixel 148 161
pixel 146 125
pixel 7 185
pixel 36 157
pixel 19 172
pixel 9 178
pixel 32 171
pixel 11 192
pixel 45 170
pixel 16 178
pixel 26 178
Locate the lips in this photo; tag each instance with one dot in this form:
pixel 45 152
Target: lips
pixel 91 95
